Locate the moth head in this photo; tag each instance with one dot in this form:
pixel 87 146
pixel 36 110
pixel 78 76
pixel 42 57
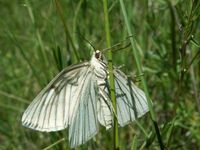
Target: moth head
pixel 98 55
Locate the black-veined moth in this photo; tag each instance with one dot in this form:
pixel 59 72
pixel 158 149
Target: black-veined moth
pixel 79 98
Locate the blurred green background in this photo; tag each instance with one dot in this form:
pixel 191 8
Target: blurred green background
pixel 35 46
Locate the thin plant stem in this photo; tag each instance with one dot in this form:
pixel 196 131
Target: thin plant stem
pixel 173 34
pixel 37 33
pixel 77 10
pixel 14 97
pixel 67 34
pixel 38 37
pixel 139 68
pixel 55 143
pixel 111 76
pixel 194 81
pixel 15 109
pixel 21 50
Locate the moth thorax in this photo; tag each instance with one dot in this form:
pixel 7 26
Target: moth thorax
pixel 100 70
pixel 98 65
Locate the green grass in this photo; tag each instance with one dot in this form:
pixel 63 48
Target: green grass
pixel 111 76
pixel 39 38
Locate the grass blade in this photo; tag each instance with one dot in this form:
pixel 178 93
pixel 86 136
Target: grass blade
pixel 111 79
pixel 139 68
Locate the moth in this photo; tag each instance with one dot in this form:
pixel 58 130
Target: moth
pixel 78 98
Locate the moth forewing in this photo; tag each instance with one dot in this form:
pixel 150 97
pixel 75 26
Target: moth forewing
pixel 43 112
pixel 85 124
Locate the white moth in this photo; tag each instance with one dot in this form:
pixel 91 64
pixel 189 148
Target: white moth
pixel 79 98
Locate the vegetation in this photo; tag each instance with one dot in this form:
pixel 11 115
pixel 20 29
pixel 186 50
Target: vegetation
pixel 39 38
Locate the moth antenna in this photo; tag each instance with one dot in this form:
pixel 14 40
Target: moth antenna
pixel 116 49
pixel 119 44
pixel 87 41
